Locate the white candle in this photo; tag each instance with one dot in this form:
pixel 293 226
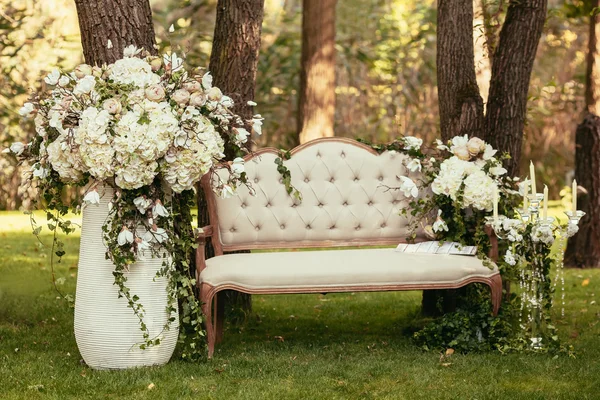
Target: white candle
pixel 495 204
pixel 525 194
pixel 532 176
pixel 545 212
pixel 574 191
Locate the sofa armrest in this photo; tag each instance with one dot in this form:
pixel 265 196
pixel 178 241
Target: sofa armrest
pixel 493 254
pixel 201 235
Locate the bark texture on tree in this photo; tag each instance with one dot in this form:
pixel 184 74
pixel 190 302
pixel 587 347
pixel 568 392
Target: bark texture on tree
pixel 511 73
pixel 316 102
pixel 123 22
pixel 461 107
pixel 234 56
pixel 233 65
pixel 583 249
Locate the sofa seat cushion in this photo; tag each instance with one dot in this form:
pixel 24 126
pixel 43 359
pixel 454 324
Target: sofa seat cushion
pixel 334 268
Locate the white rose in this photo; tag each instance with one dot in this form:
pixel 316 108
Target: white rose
pixel 414 165
pixel 412 143
pixel 207 81
pixel 197 99
pixel 237 166
pixel 85 85
pixel 462 152
pixel 27 110
pixel 408 187
pixel 155 92
pixel 181 96
pixel 497 171
pixel 82 70
pixel 17 148
pixel 53 77
pixel 113 106
pixel 214 94
pixel 475 146
pixel 489 152
pixel 192 86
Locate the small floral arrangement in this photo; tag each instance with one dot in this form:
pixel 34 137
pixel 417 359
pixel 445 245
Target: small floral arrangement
pixel 150 128
pixel 455 188
pixel 529 254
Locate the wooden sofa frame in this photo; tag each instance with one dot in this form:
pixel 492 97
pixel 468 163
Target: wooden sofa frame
pixel 213 310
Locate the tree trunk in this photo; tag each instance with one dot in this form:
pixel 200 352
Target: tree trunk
pixel 583 249
pixel 123 22
pixel 461 107
pixel 233 64
pixel 511 73
pixel 316 103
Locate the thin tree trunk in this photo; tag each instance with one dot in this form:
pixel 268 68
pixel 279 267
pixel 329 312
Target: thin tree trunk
pixel 123 22
pixel 233 65
pixel 511 73
pixel 316 103
pixel 461 107
pixel 583 249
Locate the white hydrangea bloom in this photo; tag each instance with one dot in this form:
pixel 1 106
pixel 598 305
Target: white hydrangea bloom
pixel 509 257
pixel 135 173
pixel 479 191
pixel 133 70
pixel 451 175
pixel 65 160
pixel 543 233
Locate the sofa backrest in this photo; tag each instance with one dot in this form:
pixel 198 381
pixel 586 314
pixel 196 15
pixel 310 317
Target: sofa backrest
pixel 345 200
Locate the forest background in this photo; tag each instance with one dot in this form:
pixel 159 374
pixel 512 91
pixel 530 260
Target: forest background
pixel 385 71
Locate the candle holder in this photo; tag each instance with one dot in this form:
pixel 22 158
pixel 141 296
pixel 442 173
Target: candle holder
pixel 524 214
pixel 546 221
pixel 495 223
pixel 574 217
pixel 534 203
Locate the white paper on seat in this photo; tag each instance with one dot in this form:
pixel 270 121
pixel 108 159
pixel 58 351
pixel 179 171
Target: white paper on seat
pixel 435 247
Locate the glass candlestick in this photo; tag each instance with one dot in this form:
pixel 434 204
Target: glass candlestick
pixel 574 217
pixel 534 204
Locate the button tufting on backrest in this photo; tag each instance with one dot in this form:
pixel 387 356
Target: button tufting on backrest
pixel 342 198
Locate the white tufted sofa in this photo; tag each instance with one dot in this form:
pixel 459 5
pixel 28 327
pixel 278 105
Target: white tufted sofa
pixel 346 201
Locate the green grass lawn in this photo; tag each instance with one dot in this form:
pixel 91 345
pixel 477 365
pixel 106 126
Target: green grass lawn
pixel 338 346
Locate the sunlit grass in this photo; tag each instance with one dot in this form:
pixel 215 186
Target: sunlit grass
pixel 338 346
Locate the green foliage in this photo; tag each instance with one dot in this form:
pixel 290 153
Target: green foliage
pixel 286 175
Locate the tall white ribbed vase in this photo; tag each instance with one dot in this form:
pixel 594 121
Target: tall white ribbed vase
pixel 106 330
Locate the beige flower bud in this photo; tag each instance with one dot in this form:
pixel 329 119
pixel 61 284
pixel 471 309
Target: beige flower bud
pixel 155 92
pixel 192 86
pixel 82 70
pixel 475 146
pixel 155 63
pixel 96 71
pixel 214 94
pixel 462 152
pixel 181 96
pixel 113 106
pixel 198 99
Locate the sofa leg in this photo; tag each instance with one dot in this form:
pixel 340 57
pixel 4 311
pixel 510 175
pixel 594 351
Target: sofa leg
pixel 220 316
pixel 496 289
pixel 206 298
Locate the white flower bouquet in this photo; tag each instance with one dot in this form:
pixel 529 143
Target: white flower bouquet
pixel 140 118
pixel 148 128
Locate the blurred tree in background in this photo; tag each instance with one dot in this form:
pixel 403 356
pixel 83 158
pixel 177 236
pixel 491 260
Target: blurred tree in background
pixel 385 69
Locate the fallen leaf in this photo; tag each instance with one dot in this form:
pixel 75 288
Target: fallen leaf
pixel 151 386
pixel 585 282
pixel 446 364
pixel 280 338
pixel 449 352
